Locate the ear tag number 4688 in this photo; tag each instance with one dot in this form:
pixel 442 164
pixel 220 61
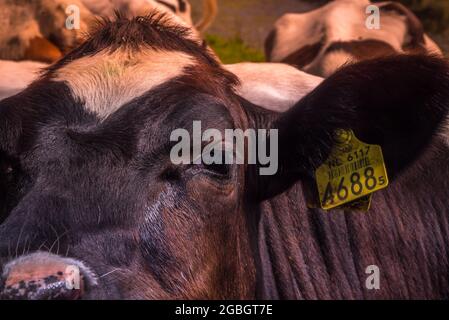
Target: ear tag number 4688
pixel 353 172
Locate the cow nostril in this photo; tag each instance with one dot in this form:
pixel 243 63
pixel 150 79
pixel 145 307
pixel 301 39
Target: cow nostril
pixel 43 276
pixel 51 287
pixel 35 291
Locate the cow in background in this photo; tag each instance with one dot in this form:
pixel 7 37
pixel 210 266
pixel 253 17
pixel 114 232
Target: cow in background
pixel 180 8
pixel 322 40
pixel 34 33
pixel 36 30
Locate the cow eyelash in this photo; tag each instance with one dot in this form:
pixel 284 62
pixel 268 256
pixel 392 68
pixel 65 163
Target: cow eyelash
pixel 218 169
pixel 221 169
pixel 215 170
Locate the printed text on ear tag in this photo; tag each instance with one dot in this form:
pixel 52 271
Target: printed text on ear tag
pixel 353 171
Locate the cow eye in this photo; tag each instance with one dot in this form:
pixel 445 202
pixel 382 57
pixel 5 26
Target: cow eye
pixel 215 165
pixel 221 166
pixel 220 169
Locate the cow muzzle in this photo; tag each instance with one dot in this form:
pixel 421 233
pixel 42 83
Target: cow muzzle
pixel 44 276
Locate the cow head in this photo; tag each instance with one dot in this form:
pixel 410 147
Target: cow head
pixel 346 31
pixel 88 187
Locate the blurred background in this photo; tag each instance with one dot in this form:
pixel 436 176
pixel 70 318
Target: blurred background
pixel 241 27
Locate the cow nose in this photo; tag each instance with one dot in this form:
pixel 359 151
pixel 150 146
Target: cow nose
pixel 42 276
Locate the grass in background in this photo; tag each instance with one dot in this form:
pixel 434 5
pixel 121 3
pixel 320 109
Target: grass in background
pixel 234 50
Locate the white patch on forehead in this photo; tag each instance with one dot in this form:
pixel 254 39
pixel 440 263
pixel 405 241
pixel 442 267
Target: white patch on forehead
pixel 106 81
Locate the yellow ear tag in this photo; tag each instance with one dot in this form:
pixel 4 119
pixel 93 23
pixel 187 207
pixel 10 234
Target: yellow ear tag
pixel 353 172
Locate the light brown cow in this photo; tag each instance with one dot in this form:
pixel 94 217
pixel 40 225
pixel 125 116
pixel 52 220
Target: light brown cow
pixel 181 9
pixel 322 40
pixel 36 30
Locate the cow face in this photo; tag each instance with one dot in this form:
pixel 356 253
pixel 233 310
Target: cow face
pixel 90 194
pixel 93 185
pixel 113 201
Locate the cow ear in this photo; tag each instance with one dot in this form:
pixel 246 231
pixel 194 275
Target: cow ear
pixel 397 102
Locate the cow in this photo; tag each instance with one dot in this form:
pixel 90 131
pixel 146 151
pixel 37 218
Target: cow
pixel 322 40
pixel 87 182
pixel 37 31
pixel 180 8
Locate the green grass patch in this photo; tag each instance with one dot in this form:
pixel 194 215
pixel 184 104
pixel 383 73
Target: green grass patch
pixel 234 50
